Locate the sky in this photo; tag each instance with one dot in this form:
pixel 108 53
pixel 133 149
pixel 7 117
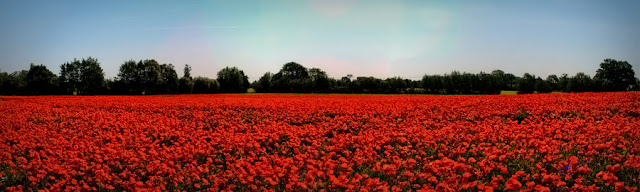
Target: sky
pixel 363 38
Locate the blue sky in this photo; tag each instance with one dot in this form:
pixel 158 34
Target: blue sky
pixel 363 38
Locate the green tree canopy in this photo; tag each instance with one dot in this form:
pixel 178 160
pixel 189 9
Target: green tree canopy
pixel 542 86
pixel 232 80
pixel 615 75
pixel 527 83
pixel 553 82
pixel 395 84
pixel 319 80
pixel 148 77
pixel 168 79
pixel 293 77
pixel 83 76
pixel 580 83
pixel 205 85
pixel 13 83
pixel 40 80
pixel 185 84
pixel 264 84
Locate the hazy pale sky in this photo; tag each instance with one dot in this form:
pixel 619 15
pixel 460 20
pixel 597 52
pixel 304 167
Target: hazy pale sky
pixel 363 38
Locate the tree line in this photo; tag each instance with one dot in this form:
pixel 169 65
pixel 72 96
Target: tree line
pixel 86 77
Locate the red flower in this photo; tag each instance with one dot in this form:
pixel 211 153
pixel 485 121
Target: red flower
pixel 512 184
pixel 266 142
pixel 541 188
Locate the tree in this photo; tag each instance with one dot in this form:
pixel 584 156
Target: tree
pixel 511 81
pixel 319 80
pixel 395 85
pixel 469 83
pixel 563 81
pixel 636 87
pixel 527 84
pixel 82 76
pixel 499 80
pixel 40 80
pixel 5 83
pixel 552 81
pixel 343 85
pixel 92 76
pixel 294 70
pixel 85 76
pixel 233 80
pixel 428 83
pixel 70 76
pixel 169 79
pixel 368 85
pixel 432 83
pixel 13 83
pixel 580 83
pixel 293 77
pixel 542 86
pixel 149 73
pixel 453 83
pixel 185 84
pixel 112 87
pixel 482 83
pixel 263 85
pixel 413 86
pixel 615 75
pixel 205 85
pixel 129 77
pixel 148 77
pixel 187 71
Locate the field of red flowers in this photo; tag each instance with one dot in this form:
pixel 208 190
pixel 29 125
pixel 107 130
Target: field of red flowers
pixel 540 142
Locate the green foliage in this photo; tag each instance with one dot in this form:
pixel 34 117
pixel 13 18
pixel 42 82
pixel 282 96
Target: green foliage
pixel 40 81
pixel 12 83
pixel 14 176
pixel 187 71
pixel 468 83
pixel 86 77
pixel 616 75
pixel 580 83
pixel 502 80
pixel 395 84
pixel 292 78
pixel 521 116
pixel 368 85
pixel 83 76
pixel 264 84
pixel 147 76
pixel 542 86
pixel 563 81
pixel 169 79
pixel 319 80
pixel 233 80
pixel 205 85
pixel 432 83
pixel 185 84
pixel 553 81
pixel 526 84
pixel 293 70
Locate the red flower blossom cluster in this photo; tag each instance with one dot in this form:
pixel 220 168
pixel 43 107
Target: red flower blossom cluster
pixel 274 142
